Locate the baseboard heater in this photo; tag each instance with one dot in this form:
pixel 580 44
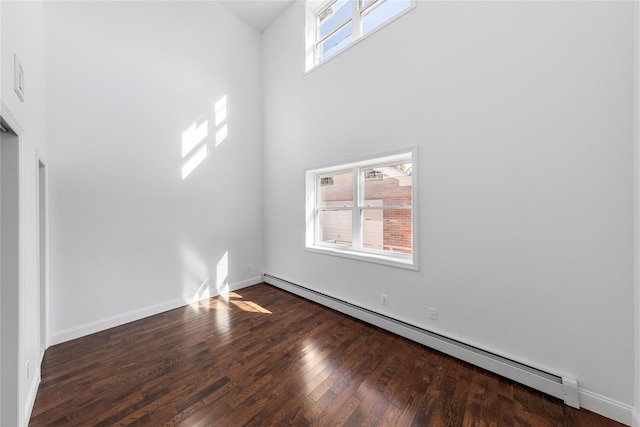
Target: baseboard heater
pixel 561 387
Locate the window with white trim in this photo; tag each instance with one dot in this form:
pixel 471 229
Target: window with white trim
pixel 364 210
pixel 335 24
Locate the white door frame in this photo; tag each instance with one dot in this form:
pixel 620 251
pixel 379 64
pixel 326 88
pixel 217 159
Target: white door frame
pixel 42 226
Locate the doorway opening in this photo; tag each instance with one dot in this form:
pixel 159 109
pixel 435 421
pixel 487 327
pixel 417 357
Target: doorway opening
pixel 9 274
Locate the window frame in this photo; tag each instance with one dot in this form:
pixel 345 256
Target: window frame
pixel 314 8
pixel 356 250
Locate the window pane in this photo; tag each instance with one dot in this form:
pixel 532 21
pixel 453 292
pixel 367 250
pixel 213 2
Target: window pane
pixel 336 190
pixel 366 3
pixel 389 185
pixel 334 226
pixel 333 17
pixel 335 43
pixel 388 230
pixel 381 13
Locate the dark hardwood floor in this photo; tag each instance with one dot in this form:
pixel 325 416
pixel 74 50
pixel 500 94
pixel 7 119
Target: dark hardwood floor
pixel 266 357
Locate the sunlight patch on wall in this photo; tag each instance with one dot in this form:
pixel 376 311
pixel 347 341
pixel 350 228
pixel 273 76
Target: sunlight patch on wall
pixel 222 274
pixel 194 161
pixel 221 110
pixel 194 149
pixel 203 292
pixel 196 282
pixel 221 135
pixel 193 136
pixel 221 120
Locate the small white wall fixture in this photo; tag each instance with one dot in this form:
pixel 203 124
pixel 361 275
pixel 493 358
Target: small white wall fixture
pixel 18 78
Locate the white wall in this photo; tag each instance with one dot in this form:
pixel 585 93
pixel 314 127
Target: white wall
pixel 22 32
pixel 522 114
pixel 130 237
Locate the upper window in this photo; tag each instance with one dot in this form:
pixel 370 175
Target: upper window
pixel 334 25
pixel 364 210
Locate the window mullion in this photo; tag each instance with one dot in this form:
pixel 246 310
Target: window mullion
pixel 399 207
pixel 316 43
pixel 317 40
pixel 316 228
pixel 344 24
pixel 356 215
pixel 370 7
pixel 356 19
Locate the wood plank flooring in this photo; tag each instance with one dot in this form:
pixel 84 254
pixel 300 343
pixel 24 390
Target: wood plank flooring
pixel 266 357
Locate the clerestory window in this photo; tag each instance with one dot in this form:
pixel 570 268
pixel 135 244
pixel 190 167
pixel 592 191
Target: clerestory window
pixel 336 24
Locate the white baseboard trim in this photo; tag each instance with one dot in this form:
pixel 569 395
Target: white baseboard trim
pixel 606 407
pixel 533 378
pixel 636 417
pixel 30 399
pixel 131 316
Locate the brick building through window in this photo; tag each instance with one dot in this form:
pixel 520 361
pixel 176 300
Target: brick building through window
pixel 383 228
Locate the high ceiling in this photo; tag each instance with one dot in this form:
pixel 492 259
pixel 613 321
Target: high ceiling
pixel 257 13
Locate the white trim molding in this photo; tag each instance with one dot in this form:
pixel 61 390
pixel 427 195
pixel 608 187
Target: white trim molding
pixel 606 407
pixel 133 315
pixel 42 195
pixel 30 399
pixel 10 119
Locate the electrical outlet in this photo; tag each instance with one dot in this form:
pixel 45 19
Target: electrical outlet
pixel 27 368
pixel 384 299
pixel 433 313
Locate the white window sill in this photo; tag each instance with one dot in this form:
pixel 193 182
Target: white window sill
pixel 407 263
